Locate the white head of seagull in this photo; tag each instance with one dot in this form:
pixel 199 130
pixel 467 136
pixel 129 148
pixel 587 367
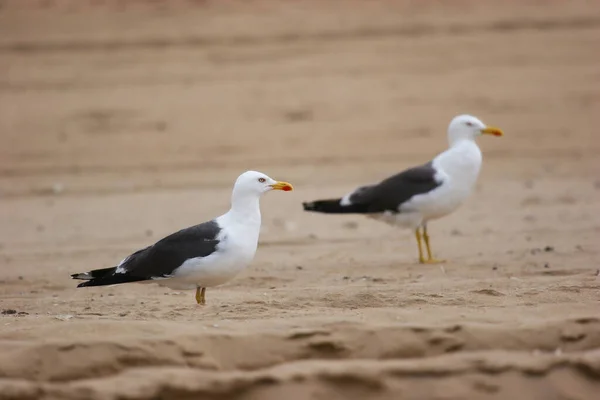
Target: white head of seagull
pixel 253 183
pixel 468 127
pixel 250 186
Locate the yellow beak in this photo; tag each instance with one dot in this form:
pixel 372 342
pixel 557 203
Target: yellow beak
pixel 490 130
pixel 286 187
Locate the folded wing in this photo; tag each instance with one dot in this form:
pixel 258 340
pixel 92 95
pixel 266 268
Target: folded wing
pixel 388 195
pixel 160 260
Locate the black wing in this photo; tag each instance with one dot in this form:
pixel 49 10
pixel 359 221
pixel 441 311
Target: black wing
pixel 387 195
pixel 159 260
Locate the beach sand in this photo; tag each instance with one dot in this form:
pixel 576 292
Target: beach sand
pixel 122 122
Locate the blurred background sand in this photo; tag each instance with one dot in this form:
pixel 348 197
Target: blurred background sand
pixel 122 121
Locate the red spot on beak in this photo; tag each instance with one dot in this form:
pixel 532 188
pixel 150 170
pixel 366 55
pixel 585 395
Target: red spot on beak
pixel 286 187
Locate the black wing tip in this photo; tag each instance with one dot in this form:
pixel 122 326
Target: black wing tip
pixel 97 282
pixel 308 205
pixel 94 274
pixel 332 206
pixel 321 205
pixel 113 280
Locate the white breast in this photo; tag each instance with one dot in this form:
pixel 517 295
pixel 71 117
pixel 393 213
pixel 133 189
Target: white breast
pixel 458 169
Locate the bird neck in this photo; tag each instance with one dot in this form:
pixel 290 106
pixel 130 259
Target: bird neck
pixel 462 159
pixel 454 141
pixel 245 207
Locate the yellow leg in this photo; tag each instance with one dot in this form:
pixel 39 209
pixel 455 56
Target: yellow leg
pixel 200 296
pixel 430 259
pixel 418 236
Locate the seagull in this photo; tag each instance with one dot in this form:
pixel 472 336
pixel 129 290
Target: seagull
pixel 201 256
pixel 420 194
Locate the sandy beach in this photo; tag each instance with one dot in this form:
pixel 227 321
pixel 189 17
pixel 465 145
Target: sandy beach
pixel 122 122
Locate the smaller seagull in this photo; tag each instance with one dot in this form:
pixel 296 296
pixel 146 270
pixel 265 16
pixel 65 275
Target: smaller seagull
pixel 200 256
pixel 418 195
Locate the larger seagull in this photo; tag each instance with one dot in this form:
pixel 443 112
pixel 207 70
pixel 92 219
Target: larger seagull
pixel 203 255
pixel 418 195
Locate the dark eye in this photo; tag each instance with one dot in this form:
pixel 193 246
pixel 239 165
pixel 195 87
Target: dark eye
pixel 469 123
pixel 261 180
